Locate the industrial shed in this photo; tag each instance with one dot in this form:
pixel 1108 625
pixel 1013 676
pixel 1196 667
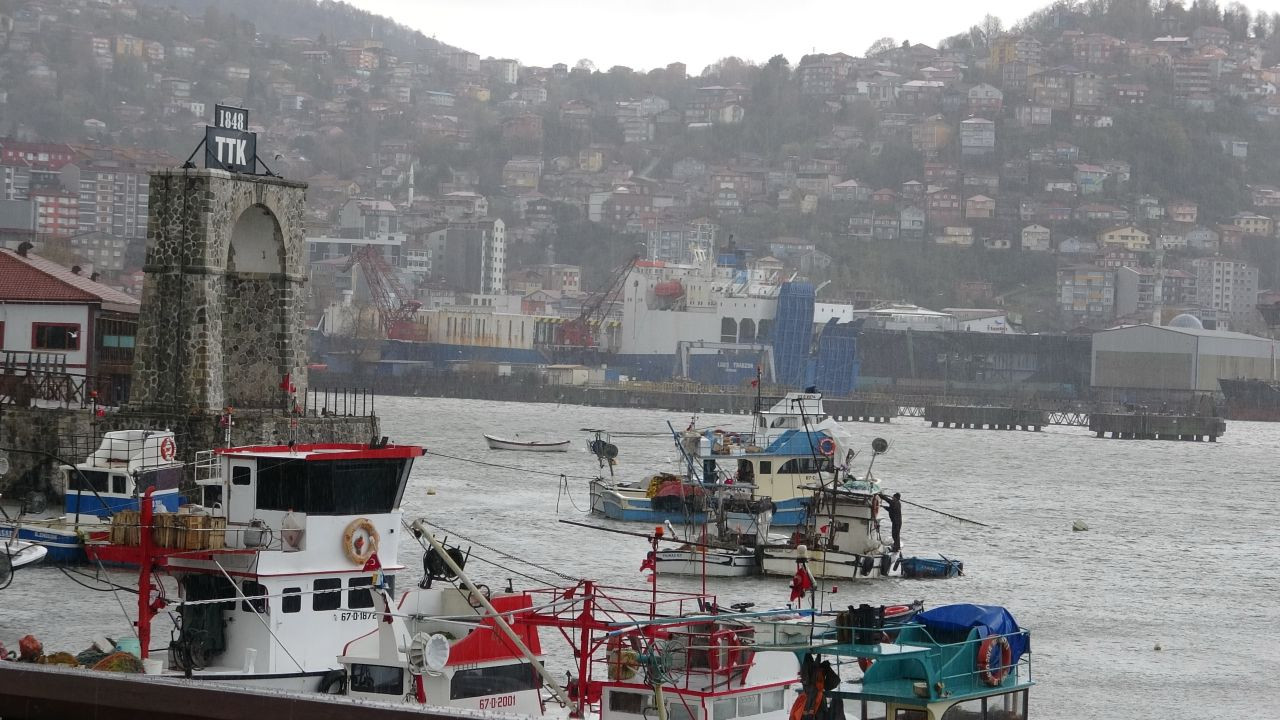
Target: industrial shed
pixel 1178 358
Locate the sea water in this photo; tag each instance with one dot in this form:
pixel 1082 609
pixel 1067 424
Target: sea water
pixel 1182 551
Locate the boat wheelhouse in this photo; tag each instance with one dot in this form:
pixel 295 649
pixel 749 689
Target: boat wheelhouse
pixel 842 539
pixel 110 480
pixel 955 662
pixel 274 570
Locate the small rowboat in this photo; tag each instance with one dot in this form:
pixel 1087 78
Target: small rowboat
pixel 501 444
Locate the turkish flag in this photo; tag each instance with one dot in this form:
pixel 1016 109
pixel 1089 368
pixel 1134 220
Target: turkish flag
pixel 287 383
pixel 649 564
pixel 801 583
pixel 372 563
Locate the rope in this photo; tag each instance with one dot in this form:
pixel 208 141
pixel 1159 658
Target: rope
pixel 564 490
pixel 111 587
pixel 500 553
pixel 508 467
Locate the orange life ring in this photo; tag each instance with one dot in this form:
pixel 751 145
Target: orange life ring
pixel 357 548
pixel 994 676
pixel 723 655
pixel 875 506
pixel 827 446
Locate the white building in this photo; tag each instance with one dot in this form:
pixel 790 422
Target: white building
pixel 1229 286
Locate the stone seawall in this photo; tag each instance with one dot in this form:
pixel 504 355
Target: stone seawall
pixel 72 435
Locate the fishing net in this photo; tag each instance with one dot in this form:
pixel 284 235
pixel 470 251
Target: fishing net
pixel 119 662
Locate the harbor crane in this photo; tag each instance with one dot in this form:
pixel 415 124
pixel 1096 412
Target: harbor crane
pixel 395 305
pixel 582 331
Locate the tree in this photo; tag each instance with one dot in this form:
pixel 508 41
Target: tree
pixel 879 46
pixel 585 64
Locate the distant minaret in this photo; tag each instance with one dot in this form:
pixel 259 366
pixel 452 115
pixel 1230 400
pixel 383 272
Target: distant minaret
pixel 411 164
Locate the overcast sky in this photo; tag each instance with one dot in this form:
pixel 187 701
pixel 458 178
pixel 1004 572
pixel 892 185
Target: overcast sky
pixel 643 34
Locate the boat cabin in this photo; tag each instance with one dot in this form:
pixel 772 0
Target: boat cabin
pixel 298 536
pixel 441 649
pixel 956 662
pixel 125 464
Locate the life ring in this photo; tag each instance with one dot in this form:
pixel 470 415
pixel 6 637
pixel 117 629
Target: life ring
pixel 359 548
pixel 875 506
pixel 994 676
pixel 827 446
pixel 865 663
pixel 723 655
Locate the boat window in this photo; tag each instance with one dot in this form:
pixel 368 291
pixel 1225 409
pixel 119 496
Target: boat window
pixel 724 709
pixel 359 597
pixel 967 710
pixel 748 705
pixel 771 701
pixel 1010 706
pixel 910 714
pixel 334 487
pixel 680 711
pixel 326 600
pixel 766 467
pixel 118 484
pixel 627 702
pixel 240 475
pixel 253 590
pixel 96 478
pixel 292 600
pixel 498 680
pixel 872 710
pixel 379 679
pixel 799 466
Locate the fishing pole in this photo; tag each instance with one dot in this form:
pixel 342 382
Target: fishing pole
pixel 953 517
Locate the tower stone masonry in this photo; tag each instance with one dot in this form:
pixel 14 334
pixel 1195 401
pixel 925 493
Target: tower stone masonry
pixel 222 320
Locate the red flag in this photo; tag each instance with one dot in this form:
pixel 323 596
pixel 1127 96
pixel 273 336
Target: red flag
pixel 648 565
pixel 801 583
pixel 755 382
pixel 287 384
pixel 373 563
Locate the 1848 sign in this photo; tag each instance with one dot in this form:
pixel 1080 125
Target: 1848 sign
pixel 228 144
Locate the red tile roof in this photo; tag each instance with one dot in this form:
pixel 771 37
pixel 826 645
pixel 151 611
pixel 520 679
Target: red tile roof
pixel 35 279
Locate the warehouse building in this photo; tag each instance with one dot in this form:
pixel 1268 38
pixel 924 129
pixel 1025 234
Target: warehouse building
pixel 1181 356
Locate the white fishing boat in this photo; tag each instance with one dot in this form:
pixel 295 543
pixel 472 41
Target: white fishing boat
pixel 15 554
pixel 707 560
pixel 108 481
pixel 496 443
pixel 274 569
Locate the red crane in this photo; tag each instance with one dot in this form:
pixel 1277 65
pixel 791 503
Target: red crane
pixel 395 305
pixel 580 332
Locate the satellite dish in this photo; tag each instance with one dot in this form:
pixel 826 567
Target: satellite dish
pixel 880 446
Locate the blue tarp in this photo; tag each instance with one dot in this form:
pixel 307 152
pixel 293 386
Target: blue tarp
pixel 988 619
pixel 797 442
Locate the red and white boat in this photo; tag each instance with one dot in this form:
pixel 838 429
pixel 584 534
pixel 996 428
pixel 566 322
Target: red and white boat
pixel 274 570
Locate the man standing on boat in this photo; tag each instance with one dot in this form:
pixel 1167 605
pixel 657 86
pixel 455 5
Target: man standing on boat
pixel 894 506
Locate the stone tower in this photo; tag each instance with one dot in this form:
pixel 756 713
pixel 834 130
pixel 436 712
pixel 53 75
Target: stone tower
pixel 222 310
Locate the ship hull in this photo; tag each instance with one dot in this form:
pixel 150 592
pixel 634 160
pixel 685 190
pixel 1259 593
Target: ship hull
pixel 1256 400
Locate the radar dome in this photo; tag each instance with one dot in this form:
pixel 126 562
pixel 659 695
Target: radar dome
pixel 1186 320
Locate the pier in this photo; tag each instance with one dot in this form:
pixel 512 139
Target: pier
pixel 1139 426
pixel 984 416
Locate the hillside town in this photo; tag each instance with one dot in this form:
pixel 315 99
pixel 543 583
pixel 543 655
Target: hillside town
pixel 1050 178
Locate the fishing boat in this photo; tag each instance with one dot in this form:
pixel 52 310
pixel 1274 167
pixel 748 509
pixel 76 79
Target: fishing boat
pixel 791 444
pixel 724 549
pixel 274 568
pixel 842 538
pixel 107 482
pixel 941 567
pixel 637 652
pixel 496 443
pixel 955 662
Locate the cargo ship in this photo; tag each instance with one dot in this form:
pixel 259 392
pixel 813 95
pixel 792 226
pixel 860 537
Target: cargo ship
pixel 1251 399
pixel 723 321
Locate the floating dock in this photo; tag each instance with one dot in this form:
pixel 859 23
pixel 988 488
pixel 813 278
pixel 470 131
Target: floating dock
pixel 983 416
pixel 1137 426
